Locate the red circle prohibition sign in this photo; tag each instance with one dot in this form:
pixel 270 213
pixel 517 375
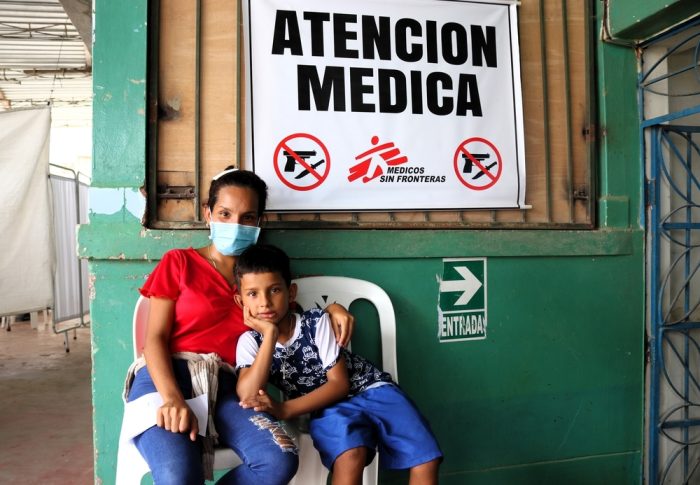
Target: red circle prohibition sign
pixel 481 165
pixel 307 167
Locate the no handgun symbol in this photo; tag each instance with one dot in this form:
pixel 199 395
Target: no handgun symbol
pixel 478 163
pixel 301 161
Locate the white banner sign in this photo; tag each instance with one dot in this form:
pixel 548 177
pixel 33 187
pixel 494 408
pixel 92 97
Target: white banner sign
pixel 384 104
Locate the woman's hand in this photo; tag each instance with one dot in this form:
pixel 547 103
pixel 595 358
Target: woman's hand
pixel 263 403
pixel 176 416
pixel 342 323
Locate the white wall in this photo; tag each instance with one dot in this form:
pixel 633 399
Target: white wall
pixel 71 138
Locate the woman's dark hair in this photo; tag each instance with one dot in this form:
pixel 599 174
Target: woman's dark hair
pixel 263 258
pixel 239 178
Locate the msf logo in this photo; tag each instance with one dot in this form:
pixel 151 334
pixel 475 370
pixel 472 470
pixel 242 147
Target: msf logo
pixel 372 162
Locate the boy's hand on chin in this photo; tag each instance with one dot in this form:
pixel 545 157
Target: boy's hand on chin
pixel 261 326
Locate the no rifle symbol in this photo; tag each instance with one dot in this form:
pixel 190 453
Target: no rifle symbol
pixel 301 161
pixel 478 163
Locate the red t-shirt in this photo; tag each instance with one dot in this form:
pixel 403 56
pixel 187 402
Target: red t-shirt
pixel 206 317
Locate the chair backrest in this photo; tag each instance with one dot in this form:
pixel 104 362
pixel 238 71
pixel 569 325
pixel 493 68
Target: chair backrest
pixel 139 325
pixel 320 291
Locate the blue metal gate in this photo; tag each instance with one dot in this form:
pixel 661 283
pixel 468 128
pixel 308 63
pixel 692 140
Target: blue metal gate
pixel 670 99
pixel 675 325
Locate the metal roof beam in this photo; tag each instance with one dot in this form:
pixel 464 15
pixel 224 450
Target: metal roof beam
pixel 80 14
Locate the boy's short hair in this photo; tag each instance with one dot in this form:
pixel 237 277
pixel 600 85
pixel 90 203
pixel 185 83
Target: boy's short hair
pixel 263 258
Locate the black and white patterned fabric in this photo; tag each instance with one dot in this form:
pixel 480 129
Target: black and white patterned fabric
pixel 300 366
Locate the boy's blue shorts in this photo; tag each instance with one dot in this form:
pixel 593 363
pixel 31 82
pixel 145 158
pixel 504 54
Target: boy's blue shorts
pixel 381 417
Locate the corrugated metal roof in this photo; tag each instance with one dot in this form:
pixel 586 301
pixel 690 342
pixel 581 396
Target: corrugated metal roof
pixel 42 57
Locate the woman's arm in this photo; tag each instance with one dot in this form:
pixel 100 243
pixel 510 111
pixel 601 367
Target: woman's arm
pixel 252 379
pixel 342 323
pixel 174 415
pixel 329 393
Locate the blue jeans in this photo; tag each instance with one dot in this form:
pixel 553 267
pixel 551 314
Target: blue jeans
pixel 257 438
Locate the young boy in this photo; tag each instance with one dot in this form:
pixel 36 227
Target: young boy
pixel 354 406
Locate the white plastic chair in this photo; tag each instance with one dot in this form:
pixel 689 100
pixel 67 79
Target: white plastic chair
pixel 320 291
pixel 132 469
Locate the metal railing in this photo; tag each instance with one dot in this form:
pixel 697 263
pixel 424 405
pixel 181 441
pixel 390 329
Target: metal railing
pixel 71 303
pixel 669 88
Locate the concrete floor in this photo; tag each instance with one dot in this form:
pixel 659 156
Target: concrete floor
pixel 45 406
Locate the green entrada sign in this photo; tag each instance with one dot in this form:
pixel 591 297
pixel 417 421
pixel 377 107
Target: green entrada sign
pixel 462 300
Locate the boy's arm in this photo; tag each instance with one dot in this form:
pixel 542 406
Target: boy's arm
pixel 335 389
pixel 253 378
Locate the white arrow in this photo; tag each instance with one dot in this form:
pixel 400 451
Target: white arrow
pixel 469 285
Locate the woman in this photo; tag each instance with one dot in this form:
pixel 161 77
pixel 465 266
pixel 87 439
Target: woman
pixel 194 324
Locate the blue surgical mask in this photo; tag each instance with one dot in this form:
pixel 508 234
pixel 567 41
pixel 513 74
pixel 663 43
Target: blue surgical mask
pixel 232 239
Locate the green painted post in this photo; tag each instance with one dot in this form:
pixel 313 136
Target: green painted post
pixel 116 208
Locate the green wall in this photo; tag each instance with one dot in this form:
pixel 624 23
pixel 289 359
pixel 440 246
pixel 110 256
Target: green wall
pixel 636 20
pixel 554 394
